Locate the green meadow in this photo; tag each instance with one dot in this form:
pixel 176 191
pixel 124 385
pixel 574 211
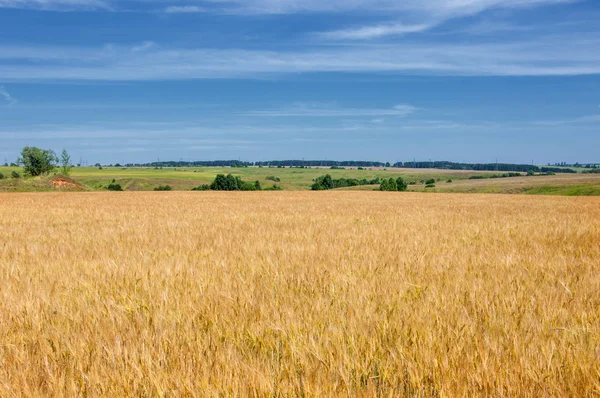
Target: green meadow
pixel 293 179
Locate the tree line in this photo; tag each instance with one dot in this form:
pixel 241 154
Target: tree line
pixel 445 165
pixel 326 182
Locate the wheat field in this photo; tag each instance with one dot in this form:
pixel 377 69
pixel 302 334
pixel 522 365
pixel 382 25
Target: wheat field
pixel 299 294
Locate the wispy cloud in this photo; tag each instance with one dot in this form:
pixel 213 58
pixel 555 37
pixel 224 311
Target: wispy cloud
pixel 332 110
pixel 436 8
pixel 57 5
pixel 184 9
pixel 486 27
pixel 7 97
pixel 372 32
pixel 426 15
pixel 144 46
pixel 542 57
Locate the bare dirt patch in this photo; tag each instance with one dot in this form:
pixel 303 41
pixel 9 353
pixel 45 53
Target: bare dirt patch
pixel 64 183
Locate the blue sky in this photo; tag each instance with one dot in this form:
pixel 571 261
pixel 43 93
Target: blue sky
pixel 389 80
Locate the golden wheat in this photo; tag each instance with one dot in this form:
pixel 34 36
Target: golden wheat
pixel 298 294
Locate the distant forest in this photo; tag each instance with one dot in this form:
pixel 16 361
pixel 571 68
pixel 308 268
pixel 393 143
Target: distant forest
pixel 483 167
pixel 442 165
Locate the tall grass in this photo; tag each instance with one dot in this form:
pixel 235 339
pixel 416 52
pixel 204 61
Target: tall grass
pixel 299 294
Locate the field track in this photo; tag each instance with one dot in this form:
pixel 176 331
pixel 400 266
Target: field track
pixel 299 294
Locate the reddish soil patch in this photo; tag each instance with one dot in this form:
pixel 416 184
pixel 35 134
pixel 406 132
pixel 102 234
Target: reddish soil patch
pixel 65 183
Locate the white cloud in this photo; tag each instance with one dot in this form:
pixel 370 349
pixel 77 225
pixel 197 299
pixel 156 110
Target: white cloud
pixel 436 8
pixel 332 110
pixel 425 15
pixel 422 7
pixel 184 9
pixel 371 32
pixel 485 27
pixel 543 57
pixel 7 97
pixel 56 5
pixel 144 46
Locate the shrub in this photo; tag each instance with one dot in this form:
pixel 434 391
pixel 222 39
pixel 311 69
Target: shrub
pixel 274 188
pixel 323 183
pixel 163 188
pixel 326 182
pixel 449 181
pixel 1 176
pixel 430 181
pixel 113 186
pixel 592 171
pixel 401 184
pixel 530 173
pixel 203 187
pixel 230 183
pixel 388 185
pixel 15 174
pixel 273 178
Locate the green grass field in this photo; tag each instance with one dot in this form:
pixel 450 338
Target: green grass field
pixel 186 178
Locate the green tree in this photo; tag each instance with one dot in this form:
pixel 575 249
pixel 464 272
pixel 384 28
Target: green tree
pixel 401 184
pixel 323 183
pixel 65 162
pixel 37 161
pixel 392 185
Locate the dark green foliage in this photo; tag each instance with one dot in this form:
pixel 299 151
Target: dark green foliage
pixel 393 185
pixel 530 173
pixel 337 168
pixel 15 174
pixel 163 188
pixel 273 178
pixel 557 170
pixel 325 182
pixel 592 171
pixel 430 181
pixel 505 175
pixel 401 184
pixel 274 188
pixel 113 186
pixel 430 186
pixel 230 183
pixel 449 181
pixel 37 161
pixel 1 176
pixel 388 185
